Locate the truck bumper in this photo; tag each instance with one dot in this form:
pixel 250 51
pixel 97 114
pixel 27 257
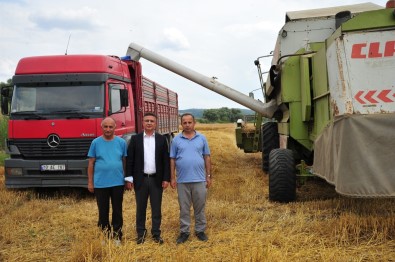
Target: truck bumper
pixel 20 173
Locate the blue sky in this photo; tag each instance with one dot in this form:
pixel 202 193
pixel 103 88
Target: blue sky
pixel 220 38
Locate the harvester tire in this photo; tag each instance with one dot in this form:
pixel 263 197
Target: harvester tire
pixel 282 176
pixel 270 141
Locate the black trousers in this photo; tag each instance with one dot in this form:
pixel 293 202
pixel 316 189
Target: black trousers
pixel 103 197
pixel 148 189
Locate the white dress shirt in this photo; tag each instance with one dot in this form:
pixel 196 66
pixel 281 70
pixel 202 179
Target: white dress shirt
pixel 149 154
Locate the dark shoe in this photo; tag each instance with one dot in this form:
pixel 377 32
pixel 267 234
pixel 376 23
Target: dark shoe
pixel 158 239
pixel 201 236
pixel 141 237
pixel 182 238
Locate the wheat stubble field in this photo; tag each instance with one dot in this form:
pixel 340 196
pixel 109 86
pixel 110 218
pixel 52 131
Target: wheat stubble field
pixel 60 225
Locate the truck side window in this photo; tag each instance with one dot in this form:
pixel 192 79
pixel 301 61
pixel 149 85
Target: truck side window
pixel 28 96
pixel 115 97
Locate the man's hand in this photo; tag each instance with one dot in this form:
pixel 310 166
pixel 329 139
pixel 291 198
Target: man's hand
pixel 90 187
pixel 208 182
pixel 128 186
pixel 173 183
pixel 165 184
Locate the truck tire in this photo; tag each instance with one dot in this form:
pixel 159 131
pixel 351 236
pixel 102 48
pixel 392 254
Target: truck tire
pixel 282 176
pixel 270 141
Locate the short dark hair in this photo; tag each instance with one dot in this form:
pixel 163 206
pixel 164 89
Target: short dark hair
pixel 150 114
pixel 188 114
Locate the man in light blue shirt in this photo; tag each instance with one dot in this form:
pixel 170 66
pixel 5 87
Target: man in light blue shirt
pixel 190 155
pixel 107 159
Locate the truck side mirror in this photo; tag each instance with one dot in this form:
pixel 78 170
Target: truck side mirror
pixel 124 97
pixel 4 105
pixel 5 91
pixel 5 95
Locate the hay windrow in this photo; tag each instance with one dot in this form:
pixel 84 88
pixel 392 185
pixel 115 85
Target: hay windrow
pixel 242 224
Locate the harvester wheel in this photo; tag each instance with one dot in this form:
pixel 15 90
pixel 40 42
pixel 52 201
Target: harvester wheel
pixel 282 176
pixel 270 141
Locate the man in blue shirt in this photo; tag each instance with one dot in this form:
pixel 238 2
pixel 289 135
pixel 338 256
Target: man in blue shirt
pixel 107 158
pixel 190 155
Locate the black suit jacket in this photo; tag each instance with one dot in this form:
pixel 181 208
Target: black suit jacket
pixel 135 160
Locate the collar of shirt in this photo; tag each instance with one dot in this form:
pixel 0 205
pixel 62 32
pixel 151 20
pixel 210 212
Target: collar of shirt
pixel 145 134
pixel 196 134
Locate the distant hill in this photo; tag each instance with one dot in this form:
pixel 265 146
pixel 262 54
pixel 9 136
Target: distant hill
pixel 198 112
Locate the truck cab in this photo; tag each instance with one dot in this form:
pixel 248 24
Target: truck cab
pixel 56 107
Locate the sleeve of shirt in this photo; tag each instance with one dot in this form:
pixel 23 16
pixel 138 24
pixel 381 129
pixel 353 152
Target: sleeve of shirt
pixel 130 157
pixel 206 149
pixel 129 179
pixel 92 149
pixel 173 148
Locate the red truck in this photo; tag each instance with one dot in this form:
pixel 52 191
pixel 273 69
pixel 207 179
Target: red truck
pixel 55 109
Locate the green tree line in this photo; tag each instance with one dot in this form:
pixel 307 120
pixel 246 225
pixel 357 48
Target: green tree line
pixel 8 83
pixel 222 114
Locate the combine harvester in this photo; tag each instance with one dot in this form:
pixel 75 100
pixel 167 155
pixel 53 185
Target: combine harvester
pixel 330 109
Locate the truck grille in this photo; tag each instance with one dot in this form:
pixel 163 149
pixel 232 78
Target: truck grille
pixel 39 148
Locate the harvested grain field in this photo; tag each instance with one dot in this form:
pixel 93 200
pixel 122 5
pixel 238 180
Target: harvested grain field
pixel 60 224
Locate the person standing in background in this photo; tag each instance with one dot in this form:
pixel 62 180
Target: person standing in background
pixel 107 159
pixel 148 171
pixel 190 155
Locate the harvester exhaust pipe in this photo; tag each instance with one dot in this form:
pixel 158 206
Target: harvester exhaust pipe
pixel 266 109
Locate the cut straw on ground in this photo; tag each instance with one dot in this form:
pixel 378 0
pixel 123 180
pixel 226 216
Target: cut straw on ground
pixel 60 224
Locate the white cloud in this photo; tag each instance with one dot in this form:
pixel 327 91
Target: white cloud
pixel 248 29
pixel 174 39
pixel 7 69
pixel 68 19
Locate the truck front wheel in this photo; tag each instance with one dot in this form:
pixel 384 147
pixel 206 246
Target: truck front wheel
pixel 282 176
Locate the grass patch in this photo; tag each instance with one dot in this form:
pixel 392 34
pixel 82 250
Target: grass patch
pixel 3 156
pixel 3 130
pixel 3 136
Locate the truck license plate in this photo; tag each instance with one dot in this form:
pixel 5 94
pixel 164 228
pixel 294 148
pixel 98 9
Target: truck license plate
pixel 53 167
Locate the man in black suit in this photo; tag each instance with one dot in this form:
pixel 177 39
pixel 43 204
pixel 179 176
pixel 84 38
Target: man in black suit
pixel 148 171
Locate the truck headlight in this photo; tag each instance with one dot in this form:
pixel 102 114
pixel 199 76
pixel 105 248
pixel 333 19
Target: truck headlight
pixel 14 171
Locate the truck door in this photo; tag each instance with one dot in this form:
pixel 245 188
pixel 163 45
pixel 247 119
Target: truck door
pixel 116 111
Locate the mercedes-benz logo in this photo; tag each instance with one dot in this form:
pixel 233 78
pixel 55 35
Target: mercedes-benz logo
pixel 53 140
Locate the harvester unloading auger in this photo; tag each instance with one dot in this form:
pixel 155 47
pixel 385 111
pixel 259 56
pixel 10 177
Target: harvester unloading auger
pixel 331 101
pixel 136 51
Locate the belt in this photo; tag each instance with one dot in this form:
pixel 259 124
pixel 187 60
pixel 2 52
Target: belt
pixel 149 175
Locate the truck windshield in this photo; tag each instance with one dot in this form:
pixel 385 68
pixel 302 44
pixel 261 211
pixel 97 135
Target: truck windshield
pixel 67 101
